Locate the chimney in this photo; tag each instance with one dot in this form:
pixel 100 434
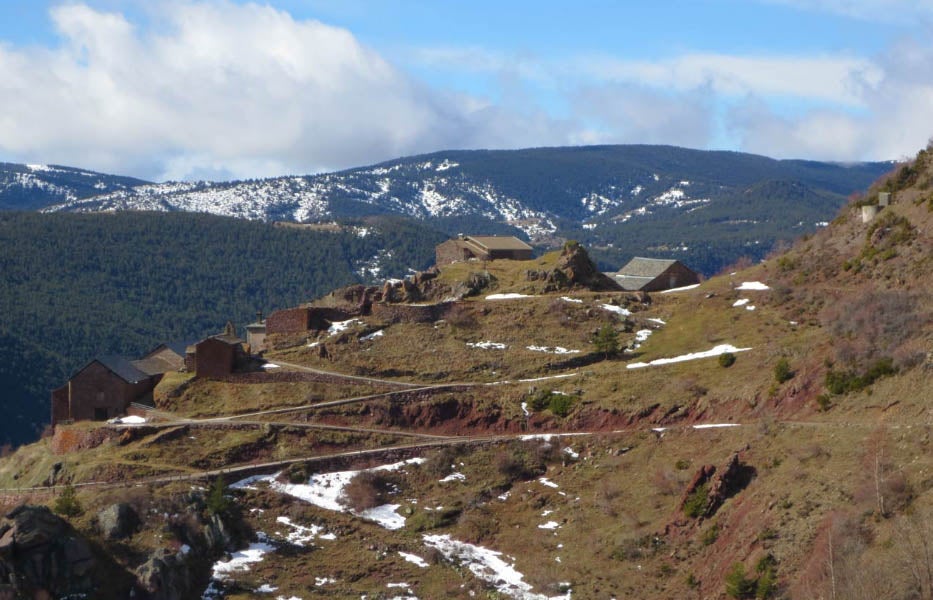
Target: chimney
pixel 259 316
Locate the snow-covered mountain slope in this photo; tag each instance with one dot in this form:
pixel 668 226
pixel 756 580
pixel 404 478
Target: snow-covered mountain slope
pixel 30 187
pixel 706 207
pixel 531 190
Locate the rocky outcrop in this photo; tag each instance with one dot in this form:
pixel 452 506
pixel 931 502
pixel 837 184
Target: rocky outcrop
pixel 118 521
pixel 574 268
pixel 720 483
pixel 42 556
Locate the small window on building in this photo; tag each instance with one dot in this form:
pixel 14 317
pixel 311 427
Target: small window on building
pixel 100 414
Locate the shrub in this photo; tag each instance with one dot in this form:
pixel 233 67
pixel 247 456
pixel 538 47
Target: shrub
pixel 606 340
pixel 824 402
pixel 217 501
pixel 560 404
pixel 517 463
pixel 695 504
pixel 737 584
pixel 782 371
pixel 711 535
pixel 841 382
pixel 368 489
pixel 726 360
pixel 67 503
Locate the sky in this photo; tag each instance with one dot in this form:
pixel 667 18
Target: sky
pixel 229 89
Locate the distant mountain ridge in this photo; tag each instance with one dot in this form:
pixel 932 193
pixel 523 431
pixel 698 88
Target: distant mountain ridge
pixel 31 187
pixel 707 207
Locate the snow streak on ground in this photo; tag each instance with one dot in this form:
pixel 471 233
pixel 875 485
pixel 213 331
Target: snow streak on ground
pixel 554 350
pixel 681 289
pixel 752 285
pixel 741 302
pixel 488 565
pixel 716 351
pixel 569 299
pixel 487 345
pixel 510 296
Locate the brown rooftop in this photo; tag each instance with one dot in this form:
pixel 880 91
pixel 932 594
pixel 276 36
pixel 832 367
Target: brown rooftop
pixel 497 242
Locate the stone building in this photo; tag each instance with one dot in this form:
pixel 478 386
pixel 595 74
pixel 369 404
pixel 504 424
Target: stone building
pixel 482 247
pixel 654 274
pixel 103 389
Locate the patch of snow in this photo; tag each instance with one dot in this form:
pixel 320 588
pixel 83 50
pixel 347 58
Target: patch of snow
pixel 446 165
pixel 547 482
pixel 314 344
pixel 752 285
pixel 265 589
pixel 339 326
pixel 487 345
pixel 268 366
pixel 132 420
pixel 750 307
pixel 549 525
pixel 453 477
pixel 525 408
pixel 569 299
pixel 637 190
pixel 509 296
pixel 741 302
pixel 715 425
pixel 570 452
pixel 414 559
pixel 301 534
pixel 372 336
pixel 589 226
pixel 716 351
pixel 185 549
pixel 485 564
pixel 554 350
pixel 642 335
pixel 241 560
pixel 325 489
pixel 658 321
pixel 319 581
pixel 616 309
pixel 681 289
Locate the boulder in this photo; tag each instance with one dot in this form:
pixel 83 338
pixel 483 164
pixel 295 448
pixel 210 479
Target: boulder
pixel 118 521
pixel 166 575
pixel 41 555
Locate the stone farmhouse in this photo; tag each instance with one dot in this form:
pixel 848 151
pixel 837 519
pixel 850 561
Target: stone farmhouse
pixel 654 275
pixel 107 386
pixel 482 247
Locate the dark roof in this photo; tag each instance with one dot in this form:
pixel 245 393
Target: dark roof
pixel 498 242
pixel 231 340
pixel 123 368
pixel 178 347
pixel 645 267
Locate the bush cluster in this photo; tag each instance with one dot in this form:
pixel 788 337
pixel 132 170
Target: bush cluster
pixel 842 382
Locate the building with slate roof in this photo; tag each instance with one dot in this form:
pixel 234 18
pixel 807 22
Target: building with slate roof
pixel 101 390
pixel 482 247
pixel 654 274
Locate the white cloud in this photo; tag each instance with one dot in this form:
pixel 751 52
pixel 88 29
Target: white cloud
pixel 884 11
pixel 226 89
pixel 823 78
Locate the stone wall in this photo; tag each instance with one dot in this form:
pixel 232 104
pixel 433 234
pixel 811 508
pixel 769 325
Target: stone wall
pixel 411 313
pixel 305 318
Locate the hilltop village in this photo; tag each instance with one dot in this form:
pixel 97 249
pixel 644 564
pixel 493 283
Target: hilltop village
pixel 110 387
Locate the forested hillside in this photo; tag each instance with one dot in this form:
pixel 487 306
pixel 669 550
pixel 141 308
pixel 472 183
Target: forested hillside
pixel 77 286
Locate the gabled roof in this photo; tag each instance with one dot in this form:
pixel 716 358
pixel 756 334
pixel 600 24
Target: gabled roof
pixel 498 242
pixel 178 347
pixel 645 267
pixel 122 367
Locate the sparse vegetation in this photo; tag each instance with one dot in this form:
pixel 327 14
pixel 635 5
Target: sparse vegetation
pixel 782 371
pixel 606 341
pixel 726 360
pixel 696 502
pixel 67 503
